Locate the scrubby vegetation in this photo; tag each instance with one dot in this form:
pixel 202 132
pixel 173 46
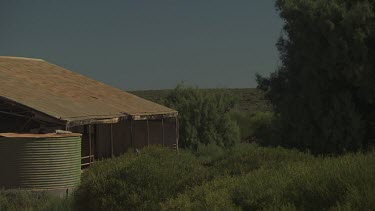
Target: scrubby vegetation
pixel 245 177
pixel 255 127
pixel 204 117
pixel 250 100
pixel 27 200
pixel 345 183
pixel 139 182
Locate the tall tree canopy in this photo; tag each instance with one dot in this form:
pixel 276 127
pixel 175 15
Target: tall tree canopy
pixel 324 90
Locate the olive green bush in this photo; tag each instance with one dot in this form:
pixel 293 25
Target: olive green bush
pixel 245 177
pixel 245 158
pixel 256 127
pixel 204 117
pixel 14 200
pixel 342 183
pixel 139 182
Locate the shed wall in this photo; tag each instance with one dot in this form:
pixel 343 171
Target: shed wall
pixel 128 134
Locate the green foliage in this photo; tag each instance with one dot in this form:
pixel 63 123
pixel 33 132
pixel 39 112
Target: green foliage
pixel 245 158
pixel 139 182
pixel 346 182
pixel 255 127
pixel 27 200
pixel 208 153
pixel 243 120
pixel 245 177
pixel 250 100
pixel 262 127
pixel 204 117
pixel 324 92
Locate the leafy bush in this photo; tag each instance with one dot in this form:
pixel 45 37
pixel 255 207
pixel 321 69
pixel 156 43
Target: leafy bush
pixel 256 127
pixel 245 158
pixel 204 117
pixel 319 184
pixel 27 200
pixel 207 153
pixel 245 177
pixel 213 195
pixel 139 182
pixel 243 120
pixel 346 182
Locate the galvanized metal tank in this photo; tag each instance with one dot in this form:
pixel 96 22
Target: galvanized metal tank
pixel 40 161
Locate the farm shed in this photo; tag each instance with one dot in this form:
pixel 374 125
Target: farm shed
pixel 40 97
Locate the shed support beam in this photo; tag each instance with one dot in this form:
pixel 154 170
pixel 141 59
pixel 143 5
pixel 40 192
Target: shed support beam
pixel 177 132
pixel 112 140
pixel 24 126
pixel 148 134
pixel 131 133
pixel 162 125
pixel 89 131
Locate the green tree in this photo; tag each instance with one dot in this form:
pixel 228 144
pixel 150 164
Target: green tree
pixel 323 93
pixel 204 117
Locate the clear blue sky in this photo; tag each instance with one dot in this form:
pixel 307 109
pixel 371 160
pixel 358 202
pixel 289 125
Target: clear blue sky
pixel 147 44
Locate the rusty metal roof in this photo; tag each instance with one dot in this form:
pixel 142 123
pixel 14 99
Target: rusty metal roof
pixel 66 95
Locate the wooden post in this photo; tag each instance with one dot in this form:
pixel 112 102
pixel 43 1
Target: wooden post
pixel 89 131
pixel 177 132
pixel 148 134
pixel 131 132
pixel 162 125
pixel 24 126
pixel 112 140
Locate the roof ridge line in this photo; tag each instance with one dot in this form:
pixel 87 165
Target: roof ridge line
pixel 21 58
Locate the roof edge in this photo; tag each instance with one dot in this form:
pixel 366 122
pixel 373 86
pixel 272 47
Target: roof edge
pixel 21 58
pixel 54 119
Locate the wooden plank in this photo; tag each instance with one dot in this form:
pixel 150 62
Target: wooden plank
pixel 94 121
pixel 148 134
pixel 177 132
pixel 162 125
pixel 89 131
pixel 112 140
pixel 154 116
pixel 131 134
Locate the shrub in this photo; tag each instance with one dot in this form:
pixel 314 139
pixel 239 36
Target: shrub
pixel 318 184
pixel 208 153
pixel 204 117
pixel 213 195
pixel 26 200
pixel 245 158
pixel 262 127
pixel 339 183
pixel 256 127
pixel 139 182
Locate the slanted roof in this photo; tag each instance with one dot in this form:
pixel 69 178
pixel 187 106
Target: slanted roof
pixel 65 95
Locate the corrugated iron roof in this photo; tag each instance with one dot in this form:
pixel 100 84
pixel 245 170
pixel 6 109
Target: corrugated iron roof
pixel 66 95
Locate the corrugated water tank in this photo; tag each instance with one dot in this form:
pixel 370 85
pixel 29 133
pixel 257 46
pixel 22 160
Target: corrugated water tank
pixel 40 161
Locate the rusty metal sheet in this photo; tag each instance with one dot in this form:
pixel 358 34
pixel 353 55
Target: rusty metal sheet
pixel 66 95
